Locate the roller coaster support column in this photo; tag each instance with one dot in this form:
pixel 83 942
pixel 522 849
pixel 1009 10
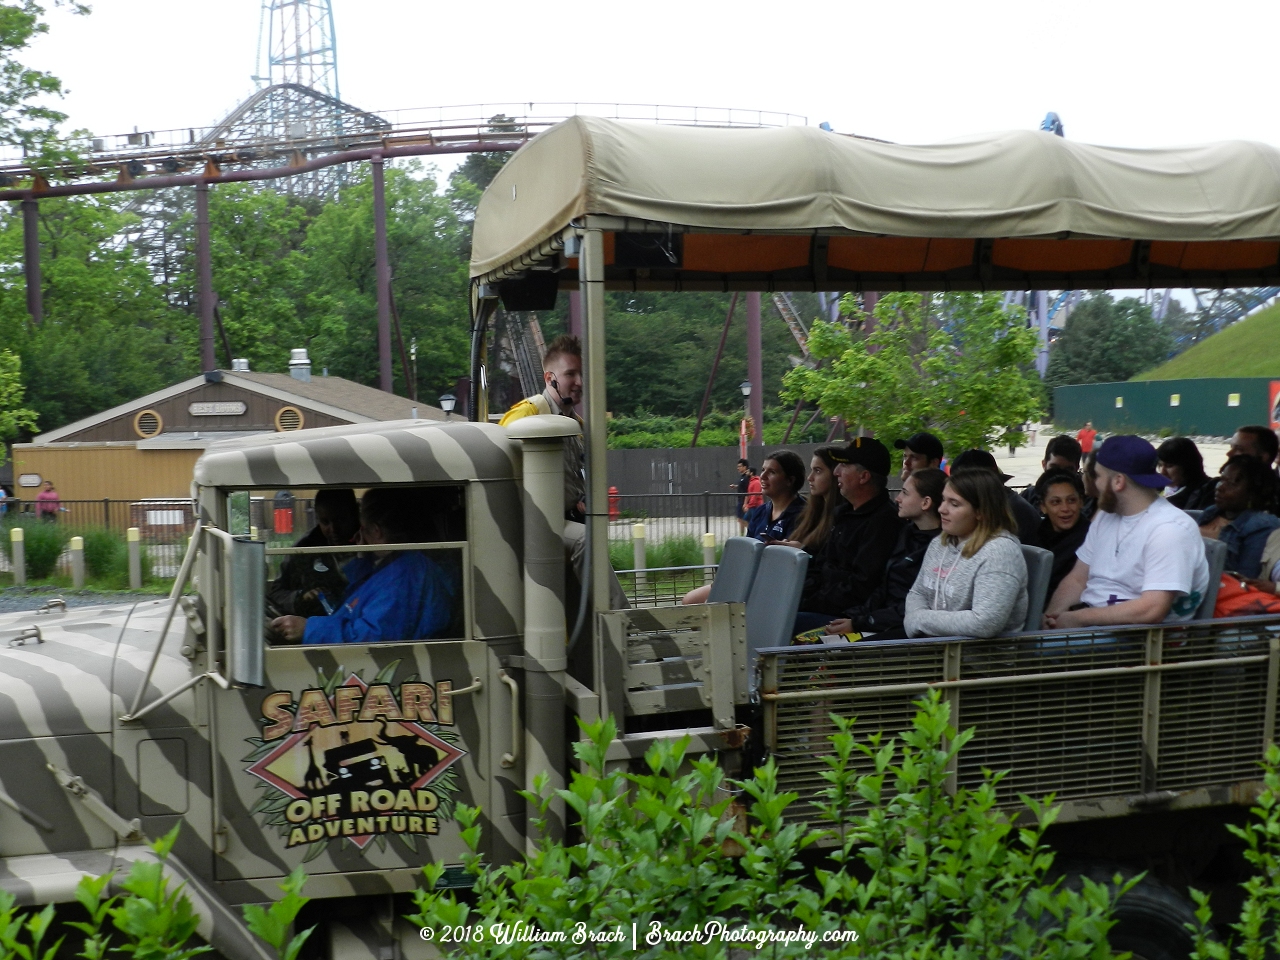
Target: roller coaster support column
pixel 204 278
pixel 382 274
pixel 755 368
pixel 1042 328
pixel 31 258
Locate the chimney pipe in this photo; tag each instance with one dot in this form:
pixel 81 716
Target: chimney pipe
pixel 240 365
pixel 299 365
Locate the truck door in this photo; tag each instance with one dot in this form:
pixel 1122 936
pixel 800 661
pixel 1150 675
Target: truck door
pixel 352 759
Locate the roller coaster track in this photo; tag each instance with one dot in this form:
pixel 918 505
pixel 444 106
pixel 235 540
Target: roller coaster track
pixel 792 319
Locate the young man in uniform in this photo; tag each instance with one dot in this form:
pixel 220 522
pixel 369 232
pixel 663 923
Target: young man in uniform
pixel 562 374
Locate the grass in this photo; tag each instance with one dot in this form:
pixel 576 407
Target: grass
pixel 1244 349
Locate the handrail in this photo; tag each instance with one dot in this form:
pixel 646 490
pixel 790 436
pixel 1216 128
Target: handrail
pixel 368 548
pixel 175 594
pixel 1142 668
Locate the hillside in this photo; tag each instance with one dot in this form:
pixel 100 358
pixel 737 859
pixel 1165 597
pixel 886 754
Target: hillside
pixel 1245 349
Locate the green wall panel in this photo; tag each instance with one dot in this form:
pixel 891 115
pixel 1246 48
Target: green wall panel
pixel 1203 406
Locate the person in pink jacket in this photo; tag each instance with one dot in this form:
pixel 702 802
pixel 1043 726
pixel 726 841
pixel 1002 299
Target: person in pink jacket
pixel 48 503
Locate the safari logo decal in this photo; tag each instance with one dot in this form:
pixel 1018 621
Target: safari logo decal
pixel 356 762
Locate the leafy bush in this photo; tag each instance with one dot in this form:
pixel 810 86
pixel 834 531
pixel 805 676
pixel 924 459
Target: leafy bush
pixel 917 872
pixel 43 545
pixel 683 551
pixel 106 557
pixel 646 431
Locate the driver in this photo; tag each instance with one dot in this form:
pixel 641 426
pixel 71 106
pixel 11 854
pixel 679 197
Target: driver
pixel 394 595
pixel 310 584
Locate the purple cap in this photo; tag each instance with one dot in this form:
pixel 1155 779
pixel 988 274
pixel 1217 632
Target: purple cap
pixel 1134 457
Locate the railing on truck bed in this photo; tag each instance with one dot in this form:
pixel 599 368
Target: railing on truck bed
pixel 1111 720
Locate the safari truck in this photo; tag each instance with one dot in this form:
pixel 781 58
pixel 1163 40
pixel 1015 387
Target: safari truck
pixel 119 723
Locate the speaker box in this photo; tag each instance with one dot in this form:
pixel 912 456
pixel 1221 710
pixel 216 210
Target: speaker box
pixel 536 290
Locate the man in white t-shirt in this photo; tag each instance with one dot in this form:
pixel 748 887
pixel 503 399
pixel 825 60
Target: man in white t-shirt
pixel 1143 559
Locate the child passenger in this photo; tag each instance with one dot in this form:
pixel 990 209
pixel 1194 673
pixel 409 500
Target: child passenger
pixel 973 582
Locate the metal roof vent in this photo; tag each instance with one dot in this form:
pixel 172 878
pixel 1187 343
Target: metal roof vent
pixel 300 365
pixel 240 365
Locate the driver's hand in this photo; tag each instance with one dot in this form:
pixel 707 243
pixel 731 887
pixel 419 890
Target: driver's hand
pixel 290 628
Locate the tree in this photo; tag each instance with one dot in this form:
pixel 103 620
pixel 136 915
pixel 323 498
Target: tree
pixel 1106 341
pixel 13 416
pixel 957 365
pixel 24 120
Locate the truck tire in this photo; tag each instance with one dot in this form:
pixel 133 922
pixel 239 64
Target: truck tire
pixel 1149 918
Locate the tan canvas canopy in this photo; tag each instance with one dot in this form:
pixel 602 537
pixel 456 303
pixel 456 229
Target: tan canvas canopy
pixel 801 208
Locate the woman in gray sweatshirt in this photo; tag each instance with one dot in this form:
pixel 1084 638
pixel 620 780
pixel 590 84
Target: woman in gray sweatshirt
pixel 973 581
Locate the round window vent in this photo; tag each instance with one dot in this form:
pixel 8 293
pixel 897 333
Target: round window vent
pixel 147 424
pixel 288 418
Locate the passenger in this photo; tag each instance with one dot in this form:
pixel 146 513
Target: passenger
pixel 1142 560
pixel 1063 529
pixel 1089 475
pixel 811 530
pixel 1262 444
pixel 850 565
pixel 1025 516
pixel 394 595
pixel 1189 488
pixel 1236 518
pixel 1061 453
pixel 973 581
pixel 882 614
pixel 781 478
pixel 309 581
pixel 919 451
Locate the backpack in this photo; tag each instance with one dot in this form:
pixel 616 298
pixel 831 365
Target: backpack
pixel 1236 599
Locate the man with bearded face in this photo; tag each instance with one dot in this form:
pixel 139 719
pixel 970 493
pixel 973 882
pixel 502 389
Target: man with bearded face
pixel 1142 560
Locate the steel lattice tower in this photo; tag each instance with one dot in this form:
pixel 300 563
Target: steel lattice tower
pixel 297 44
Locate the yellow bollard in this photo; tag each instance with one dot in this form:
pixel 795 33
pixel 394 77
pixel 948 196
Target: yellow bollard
pixel 77 562
pixel 708 556
pixel 18 552
pixel 133 537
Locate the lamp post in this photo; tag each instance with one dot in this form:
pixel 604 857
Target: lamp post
pixel 447 402
pixel 745 387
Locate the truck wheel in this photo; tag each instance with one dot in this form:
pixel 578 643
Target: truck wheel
pixel 1149 918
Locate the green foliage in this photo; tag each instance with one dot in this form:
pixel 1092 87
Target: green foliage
pixel 157 922
pixel 13 416
pixel 22 937
pixel 957 365
pixel 43 544
pixel 1244 349
pixel 89 894
pixel 25 120
pixel 644 431
pixel 918 872
pixel 273 923
pixel 1257 932
pixel 1107 340
pixel 106 557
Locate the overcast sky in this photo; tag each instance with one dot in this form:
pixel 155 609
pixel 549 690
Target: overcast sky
pixel 1119 72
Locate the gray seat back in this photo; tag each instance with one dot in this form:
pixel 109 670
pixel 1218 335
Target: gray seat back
pixel 737 570
pixel 1194 515
pixel 775 599
pixel 1215 552
pixel 1039 570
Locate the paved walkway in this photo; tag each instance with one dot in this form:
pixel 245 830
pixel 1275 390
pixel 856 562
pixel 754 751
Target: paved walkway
pixel 1025 463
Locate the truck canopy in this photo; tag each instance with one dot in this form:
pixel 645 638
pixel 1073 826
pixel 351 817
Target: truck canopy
pixel 801 208
pixel 402 451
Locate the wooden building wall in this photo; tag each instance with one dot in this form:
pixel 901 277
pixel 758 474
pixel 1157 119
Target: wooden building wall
pixel 260 414
pixel 94 471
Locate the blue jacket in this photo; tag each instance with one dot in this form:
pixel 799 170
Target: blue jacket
pixel 1245 537
pixel 407 597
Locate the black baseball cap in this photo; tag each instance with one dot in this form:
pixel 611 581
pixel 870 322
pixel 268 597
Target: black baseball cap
pixel 979 460
pixel 922 442
pixel 866 452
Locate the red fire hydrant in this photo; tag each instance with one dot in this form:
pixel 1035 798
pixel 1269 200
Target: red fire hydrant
pixel 614 513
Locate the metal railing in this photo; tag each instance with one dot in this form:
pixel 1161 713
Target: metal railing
pixel 1118 718
pixel 668 516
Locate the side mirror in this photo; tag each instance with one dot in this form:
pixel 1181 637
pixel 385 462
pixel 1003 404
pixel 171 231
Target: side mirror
pixel 246 573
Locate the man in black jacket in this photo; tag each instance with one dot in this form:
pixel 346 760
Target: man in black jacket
pixel 864 531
